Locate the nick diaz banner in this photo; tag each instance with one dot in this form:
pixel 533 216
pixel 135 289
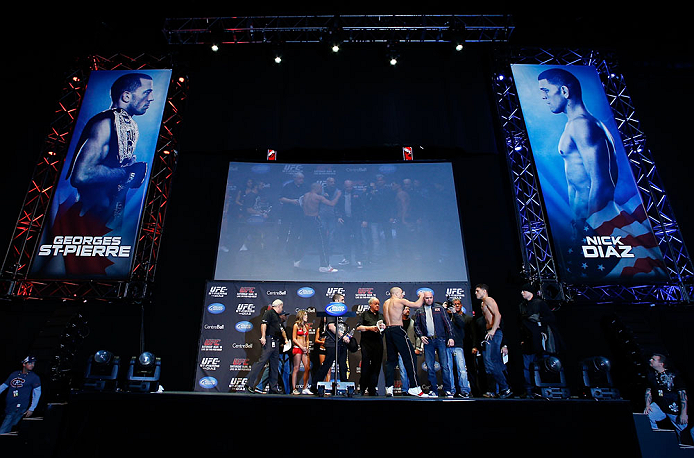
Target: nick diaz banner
pixel 91 227
pixel 230 331
pixel 597 219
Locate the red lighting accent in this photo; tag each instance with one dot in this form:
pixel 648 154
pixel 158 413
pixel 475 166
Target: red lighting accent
pixel 407 153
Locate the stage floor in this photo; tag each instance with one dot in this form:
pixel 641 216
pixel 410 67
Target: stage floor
pixel 255 423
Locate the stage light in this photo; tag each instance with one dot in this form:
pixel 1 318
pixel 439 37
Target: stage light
pixel 393 61
pixel 336 48
pixel 215 48
pixel 101 373
pixel 143 373
pixel 548 378
pixel 459 47
pixel 597 380
pixel 278 59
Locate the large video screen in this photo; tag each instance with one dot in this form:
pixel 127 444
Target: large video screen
pixel 91 226
pixel 341 222
pixel 597 220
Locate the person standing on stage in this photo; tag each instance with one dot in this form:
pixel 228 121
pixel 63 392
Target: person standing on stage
pixel 456 352
pixel 311 231
pixel 371 326
pixel 408 326
pixel 272 338
pixel 291 213
pixel 431 324
pixel 300 348
pixel 491 352
pixel 397 342
pixel 333 336
pixel 666 396
pixel 24 391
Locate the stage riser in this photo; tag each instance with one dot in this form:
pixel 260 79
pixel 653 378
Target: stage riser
pixel 123 422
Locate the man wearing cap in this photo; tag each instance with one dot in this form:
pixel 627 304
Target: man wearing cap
pixel 536 330
pixel 24 391
pixel 271 335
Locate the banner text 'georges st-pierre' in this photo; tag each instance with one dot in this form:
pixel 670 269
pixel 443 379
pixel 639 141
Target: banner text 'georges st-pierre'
pixel 92 223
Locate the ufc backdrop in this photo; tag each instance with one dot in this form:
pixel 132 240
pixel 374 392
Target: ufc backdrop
pixel 230 329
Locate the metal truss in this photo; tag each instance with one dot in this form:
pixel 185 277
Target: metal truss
pixel 538 260
pixel 13 277
pixel 390 28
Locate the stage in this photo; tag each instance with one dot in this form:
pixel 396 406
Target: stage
pixel 130 424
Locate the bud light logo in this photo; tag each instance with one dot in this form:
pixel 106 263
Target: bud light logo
pixel 244 326
pixel 207 382
pixel 216 308
pixel 335 309
pixel 306 291
pixel 425 290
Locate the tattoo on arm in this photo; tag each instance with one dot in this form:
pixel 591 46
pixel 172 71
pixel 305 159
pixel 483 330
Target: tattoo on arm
pixel 683 401
pixel 649 398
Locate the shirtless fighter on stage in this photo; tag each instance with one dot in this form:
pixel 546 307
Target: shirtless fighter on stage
pixel 397 341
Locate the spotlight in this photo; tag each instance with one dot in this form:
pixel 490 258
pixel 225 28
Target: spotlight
pixel 215 47
pixel 393 61
pixel 548 378
pixel 459 47
pixel 143 373
pixel 278 59
pixel 597 380
pixel 336 48
pixel 101 373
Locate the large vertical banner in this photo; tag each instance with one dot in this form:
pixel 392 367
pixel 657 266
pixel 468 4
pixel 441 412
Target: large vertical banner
pixel 597 219
pixel 92 223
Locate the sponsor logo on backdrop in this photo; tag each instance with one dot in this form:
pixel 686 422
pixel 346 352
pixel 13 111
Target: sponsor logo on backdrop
pixel 216 308
pixel 334 290
pixel 240 364
pixel 336 309
pixel 212 345
pixel 238 383
pixel 214 327
pixel 245 309
pixel 364 293
pixel 277 293
pixel 306 291
pixel 218 291
pixel 455 292
pixel 209 364
pixel 361 308
pixel 245 345
pixel 424 290
pixel 207 382
pixel 244 326
pixel 247 292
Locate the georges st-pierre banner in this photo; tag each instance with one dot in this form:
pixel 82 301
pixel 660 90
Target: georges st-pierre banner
pixel 230 329
pixel 91 226
pixel 597 219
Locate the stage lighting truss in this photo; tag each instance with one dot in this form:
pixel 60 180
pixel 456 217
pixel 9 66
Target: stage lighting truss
pixel 538 259
pixel 329 29
pixel 13 277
